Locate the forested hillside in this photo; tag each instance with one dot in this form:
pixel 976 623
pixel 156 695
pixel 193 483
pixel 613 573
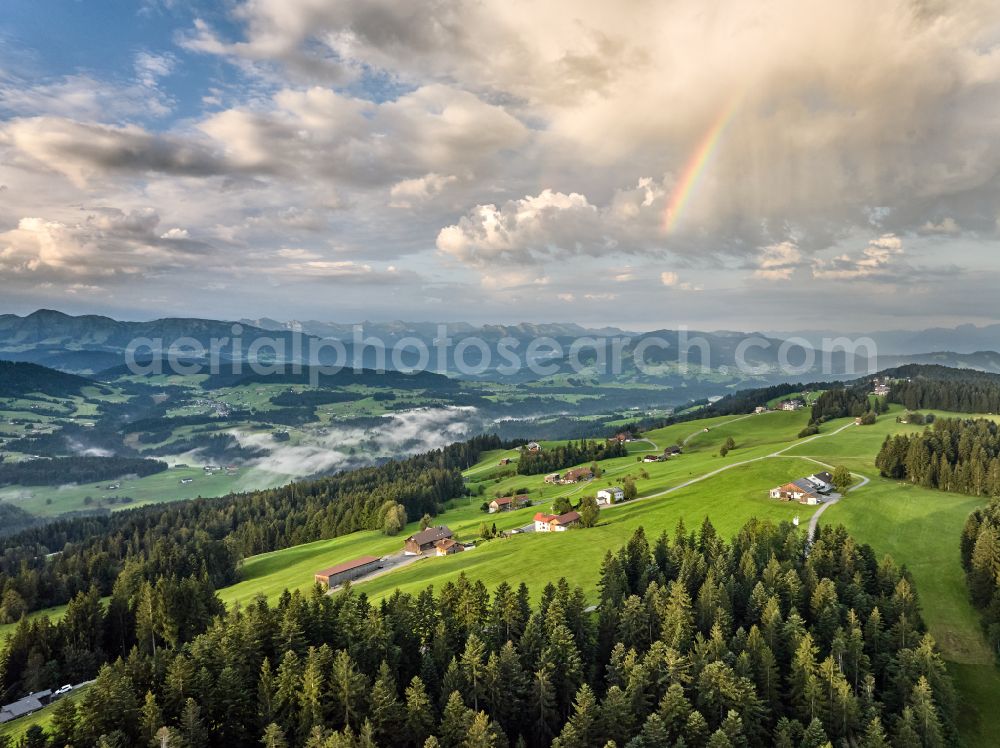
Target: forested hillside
pixel 208 537
pixel 698 643
pixel 17 379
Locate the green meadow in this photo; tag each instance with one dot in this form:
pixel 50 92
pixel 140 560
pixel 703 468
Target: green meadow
pixel 50 501
pixel 920 528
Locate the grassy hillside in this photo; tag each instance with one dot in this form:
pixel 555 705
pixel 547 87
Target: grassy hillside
pixel 918 527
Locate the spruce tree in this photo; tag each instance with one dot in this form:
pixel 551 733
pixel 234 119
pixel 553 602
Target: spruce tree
pixel 420 719
pixel 456 720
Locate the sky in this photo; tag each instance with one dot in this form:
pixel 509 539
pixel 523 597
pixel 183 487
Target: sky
pixel 646 164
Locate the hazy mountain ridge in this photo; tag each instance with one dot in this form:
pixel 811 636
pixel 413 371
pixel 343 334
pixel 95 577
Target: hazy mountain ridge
pixel 91 343
pixel 964 339
pixel 398 329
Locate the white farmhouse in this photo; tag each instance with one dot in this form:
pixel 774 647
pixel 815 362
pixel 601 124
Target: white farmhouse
pixel 612 495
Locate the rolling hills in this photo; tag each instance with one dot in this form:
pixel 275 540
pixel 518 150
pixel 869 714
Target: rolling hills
pixel 918 527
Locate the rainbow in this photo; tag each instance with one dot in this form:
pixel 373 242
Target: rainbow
pixel 695 167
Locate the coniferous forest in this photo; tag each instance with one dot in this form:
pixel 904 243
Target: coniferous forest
pixel 840 402
pixel 954 454
pixel 696 642
pixel 557 458
pixel 942 388
pixel 981 559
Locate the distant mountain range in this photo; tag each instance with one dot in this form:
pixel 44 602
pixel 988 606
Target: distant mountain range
pixel 393 331
pixel 961 339
pixel 91 344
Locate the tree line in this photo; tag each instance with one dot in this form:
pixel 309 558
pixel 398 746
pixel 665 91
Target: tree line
pixel 62 470
pixel 210 536
pixel 697 642
pixel 953 454
pixel 981 559
pixel 972 394
pixel 568 455
pixel 841 402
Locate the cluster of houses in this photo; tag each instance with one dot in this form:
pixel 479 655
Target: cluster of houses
pixel 810 490
pixel 570 476
pixel 556 522
pixel 623 437
pixel 508 503
pixel 669 452
pixel 796 403
pixel 882 387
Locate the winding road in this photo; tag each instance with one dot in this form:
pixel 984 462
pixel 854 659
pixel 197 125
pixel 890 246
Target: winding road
pixel 834 498
pixel 732 465
pixel 813 521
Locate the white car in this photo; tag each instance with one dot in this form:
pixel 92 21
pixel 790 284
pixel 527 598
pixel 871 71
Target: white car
pixel 64 690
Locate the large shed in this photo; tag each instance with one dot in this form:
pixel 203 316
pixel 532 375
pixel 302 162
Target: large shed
pixel 358 567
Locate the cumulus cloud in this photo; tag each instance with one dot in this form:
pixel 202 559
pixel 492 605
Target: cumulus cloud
pixel 946 225
pixel 873 262
pixel 151 67
pixel 550 224
pixel 408 192
pixel 335 136
pixel 669 278
pixel 778 261
pixel 107 243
